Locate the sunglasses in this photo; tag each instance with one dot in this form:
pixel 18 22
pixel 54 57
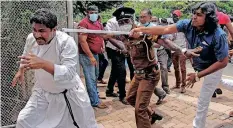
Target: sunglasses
pixel 124 21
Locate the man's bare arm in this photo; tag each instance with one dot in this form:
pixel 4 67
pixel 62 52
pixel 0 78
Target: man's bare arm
pixel 117 43
pixel 214 67
pixel 170 45
pixel 189 53
pixel 84 45
pixel 156 30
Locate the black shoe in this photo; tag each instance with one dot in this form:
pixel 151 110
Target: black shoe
pixel 214 95
pixel 169 70
pixel 155 117
pixel 167 90
pixel 160 100
pixel 112 94
pixel 218 91
pixel 124 101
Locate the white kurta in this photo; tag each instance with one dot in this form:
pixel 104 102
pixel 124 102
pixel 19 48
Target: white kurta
pixel 46 107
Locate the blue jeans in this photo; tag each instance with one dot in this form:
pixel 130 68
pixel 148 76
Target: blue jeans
pixel 91 74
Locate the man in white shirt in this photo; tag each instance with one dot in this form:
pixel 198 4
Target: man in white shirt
pixel 120 22
pixel 58 89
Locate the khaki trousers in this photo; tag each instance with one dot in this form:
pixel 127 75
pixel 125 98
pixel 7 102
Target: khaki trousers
pixel 179 62
pixel 141 89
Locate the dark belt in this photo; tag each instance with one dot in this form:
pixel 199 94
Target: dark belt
pixel 146 70
pixel 69 108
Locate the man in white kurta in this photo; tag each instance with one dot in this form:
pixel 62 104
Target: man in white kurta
pixel 47 107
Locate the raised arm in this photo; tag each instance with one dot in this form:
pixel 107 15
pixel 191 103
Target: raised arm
pixel 156 30
pixel 170 45
pixel 117 41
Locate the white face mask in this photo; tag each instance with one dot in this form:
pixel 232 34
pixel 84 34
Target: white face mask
pixel 93 17
pixel 126 27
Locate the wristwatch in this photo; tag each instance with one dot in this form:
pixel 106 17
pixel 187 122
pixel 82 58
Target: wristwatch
pixel 196 77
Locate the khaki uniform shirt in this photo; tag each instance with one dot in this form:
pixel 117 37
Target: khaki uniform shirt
pixel 138 53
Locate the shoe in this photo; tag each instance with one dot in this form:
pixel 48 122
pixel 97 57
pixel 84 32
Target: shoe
pixel 218 91
pixel 231 114
pixel 214 95
pixel 167 90
pixel 124 101
pixel 102 97
pixel 116 85
pixel 183 90
pixel 160 100
pixel 101 106
pixel 102 82
pixel 175 87
pixel 169 70
pixel 112 94
pixel 155 117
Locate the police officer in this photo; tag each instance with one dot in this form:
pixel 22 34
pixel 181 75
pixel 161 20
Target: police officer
pixel 201 31
pixel 145 20
pixel 147 74
pixel 120 22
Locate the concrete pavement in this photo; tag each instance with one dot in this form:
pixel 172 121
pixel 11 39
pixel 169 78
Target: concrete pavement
pixel 178 109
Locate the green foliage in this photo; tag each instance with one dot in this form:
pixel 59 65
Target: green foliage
pixel 162 8
pixel 79 7
pixel 25 17
pixel 225 6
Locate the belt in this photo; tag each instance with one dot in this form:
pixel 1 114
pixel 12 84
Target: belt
pixel 69 108
pixel 146 70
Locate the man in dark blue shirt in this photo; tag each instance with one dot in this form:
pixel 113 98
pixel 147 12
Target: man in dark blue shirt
pixel 202 30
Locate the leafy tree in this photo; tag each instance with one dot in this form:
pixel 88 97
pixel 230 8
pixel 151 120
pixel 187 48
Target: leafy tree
pixel 79 7
pixel 163 9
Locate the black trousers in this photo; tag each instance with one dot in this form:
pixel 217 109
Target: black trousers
pixel 118 73
pixel 131 68
pixel 169 60
pixel 103 63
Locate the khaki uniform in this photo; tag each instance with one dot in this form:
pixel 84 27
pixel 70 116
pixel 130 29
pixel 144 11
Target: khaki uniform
pixel 145 79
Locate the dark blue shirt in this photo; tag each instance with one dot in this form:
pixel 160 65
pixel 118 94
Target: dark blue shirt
pixel 215 46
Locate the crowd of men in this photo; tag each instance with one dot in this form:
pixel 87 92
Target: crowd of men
pixel 59 98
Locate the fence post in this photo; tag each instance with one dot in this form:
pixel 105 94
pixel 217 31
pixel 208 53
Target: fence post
pixel 70 22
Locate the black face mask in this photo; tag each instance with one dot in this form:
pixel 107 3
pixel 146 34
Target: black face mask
pixel 175 18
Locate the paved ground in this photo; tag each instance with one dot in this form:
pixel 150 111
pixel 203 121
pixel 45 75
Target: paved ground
pixel 178 109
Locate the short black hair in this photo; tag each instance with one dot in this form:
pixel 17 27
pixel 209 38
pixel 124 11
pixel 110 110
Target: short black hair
pixel 164 20
pixel 92 8
pixel 45 17
pixel 211 20
pixel 148 11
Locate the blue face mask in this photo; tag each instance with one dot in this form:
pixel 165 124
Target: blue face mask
pixel 146 24
pixel 93 17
